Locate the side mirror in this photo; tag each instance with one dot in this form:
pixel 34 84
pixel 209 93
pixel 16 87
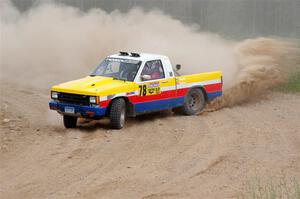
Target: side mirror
pixel 146 77
pixel 178 66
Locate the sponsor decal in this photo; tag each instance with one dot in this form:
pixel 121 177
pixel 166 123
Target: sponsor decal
pixel 155 90
pixel 130 93
pixel 128 61
pixel 153 84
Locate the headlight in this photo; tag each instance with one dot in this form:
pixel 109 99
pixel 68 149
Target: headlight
pixel 93 100
pixel 54 95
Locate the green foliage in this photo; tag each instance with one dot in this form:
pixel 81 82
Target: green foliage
pixel 292 85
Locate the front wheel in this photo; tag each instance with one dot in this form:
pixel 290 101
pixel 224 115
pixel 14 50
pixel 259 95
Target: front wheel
pixel 70 121
pixel 194 102
pixel 117 113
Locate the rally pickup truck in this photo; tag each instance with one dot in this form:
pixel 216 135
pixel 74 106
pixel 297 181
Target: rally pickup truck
pixel 130 84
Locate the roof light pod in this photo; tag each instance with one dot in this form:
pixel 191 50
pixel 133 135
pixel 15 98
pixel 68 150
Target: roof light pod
pixel 135 55
pixel 122 53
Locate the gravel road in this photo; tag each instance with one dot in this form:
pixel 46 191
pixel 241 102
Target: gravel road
pixel 161 155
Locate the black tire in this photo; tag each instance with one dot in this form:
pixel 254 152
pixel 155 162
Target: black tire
pixel 70 121
pixel 194 102
pixel 117 113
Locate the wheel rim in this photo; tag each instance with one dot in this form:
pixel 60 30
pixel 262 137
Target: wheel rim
pixel 122 117
pixel 194 102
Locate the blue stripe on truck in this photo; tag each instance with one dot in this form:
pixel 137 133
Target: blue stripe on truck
pixel 213 95
pixel 158 104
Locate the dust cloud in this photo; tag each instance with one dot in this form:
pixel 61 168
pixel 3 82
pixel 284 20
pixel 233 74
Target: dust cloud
pixel 53 43
pixel 262 64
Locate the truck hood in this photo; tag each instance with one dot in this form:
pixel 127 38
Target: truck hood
pixel 89 85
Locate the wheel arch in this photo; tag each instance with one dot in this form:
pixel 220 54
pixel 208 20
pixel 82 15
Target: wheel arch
pixel 129 105
pixel 202 89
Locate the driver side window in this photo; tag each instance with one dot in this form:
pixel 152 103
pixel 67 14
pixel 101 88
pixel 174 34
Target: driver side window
pixel 152 70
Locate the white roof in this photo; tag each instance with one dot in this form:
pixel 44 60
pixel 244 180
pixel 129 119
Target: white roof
pixel 143 56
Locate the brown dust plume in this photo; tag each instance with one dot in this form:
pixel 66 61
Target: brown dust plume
pixel 51 43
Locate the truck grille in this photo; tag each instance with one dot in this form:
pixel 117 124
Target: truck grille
pixel 74 99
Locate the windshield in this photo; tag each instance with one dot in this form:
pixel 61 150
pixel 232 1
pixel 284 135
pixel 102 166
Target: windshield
pixel 123 69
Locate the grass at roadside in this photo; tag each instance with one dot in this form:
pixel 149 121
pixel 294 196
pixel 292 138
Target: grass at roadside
pixel 292 85
pixel 273 188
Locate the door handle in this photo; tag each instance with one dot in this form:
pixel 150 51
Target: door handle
pixel 165 81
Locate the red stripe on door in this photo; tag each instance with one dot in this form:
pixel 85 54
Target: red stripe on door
pixel 213 87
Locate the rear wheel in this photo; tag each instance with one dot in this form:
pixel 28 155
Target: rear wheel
pixel 194 102
pixel 117 113
pixel 70 121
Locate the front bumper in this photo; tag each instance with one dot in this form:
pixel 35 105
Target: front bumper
pixel 93 112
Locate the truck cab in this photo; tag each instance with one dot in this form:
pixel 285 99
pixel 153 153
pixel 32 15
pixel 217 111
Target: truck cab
pixel 128 84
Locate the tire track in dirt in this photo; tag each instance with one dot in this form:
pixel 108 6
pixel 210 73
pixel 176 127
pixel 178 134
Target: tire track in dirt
pixel 156 156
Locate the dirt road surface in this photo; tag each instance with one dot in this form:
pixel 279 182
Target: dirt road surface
pixel 155 156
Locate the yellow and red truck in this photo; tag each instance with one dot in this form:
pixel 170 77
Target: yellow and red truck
pixel 129 84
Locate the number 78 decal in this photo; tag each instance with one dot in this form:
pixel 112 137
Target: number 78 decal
pixel 144 90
